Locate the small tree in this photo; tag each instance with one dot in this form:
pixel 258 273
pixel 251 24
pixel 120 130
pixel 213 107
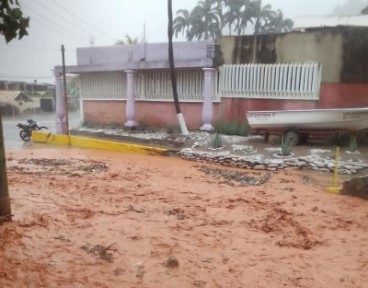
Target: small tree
pixel 12 24
pixel 364 11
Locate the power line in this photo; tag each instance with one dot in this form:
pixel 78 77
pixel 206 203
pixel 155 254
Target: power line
pixel 69 50
pixel 63 29
pixel 29 48
pixel 62 17
pixel 53 28
pixel 85 23
pixel 25 76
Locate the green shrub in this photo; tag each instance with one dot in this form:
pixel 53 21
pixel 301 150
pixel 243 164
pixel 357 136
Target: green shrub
pixel 353 142
pixel 340 139
pixel 363 137
pixel 217 140
pixel 286 145
pixel 233 128
pixel 86 124
pixel 172 130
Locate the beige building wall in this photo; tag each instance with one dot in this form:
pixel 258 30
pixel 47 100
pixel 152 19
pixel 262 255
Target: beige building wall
pixel 324 48
pixel 295 47
pixel 227 46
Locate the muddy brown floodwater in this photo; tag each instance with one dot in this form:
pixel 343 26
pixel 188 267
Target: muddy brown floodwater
pixel 86 218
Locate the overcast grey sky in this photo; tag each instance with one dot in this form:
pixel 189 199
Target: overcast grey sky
pixel 73 22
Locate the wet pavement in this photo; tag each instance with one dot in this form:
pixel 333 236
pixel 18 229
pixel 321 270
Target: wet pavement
pixel 11 131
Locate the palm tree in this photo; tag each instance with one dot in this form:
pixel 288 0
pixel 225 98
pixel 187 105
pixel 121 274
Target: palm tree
pixel 247 13
pixel 233 14
pixel 277 24
pixel 220 13
pixel 128 41
pixel 205 21
pixel 182 22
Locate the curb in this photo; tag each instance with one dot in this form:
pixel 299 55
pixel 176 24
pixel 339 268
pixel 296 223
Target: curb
pixel 77 141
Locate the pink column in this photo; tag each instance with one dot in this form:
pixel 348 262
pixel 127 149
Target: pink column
pixel 60 106
pixel 207 111
pixel 130 104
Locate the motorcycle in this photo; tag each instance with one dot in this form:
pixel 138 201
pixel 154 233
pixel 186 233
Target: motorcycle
pixel 26 129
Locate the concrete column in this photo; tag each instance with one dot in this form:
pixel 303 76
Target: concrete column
pixel 207 111
pixel 60 106
pixel 81 109
pixel 130 104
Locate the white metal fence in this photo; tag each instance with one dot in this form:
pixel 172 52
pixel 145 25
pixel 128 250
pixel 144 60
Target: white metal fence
pixel 270 81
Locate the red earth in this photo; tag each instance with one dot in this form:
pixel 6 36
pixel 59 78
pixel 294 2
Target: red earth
pixel 87 218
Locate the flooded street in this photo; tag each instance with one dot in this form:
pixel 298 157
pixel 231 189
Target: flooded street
pixel 11 131
pixel 88 218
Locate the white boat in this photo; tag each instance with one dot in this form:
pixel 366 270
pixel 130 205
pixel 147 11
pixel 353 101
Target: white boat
pixel 313 119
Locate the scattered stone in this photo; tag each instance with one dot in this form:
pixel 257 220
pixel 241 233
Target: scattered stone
pixel 319 151
pixel 70 167
pixel 258 162
pixel 259 167
pixel 101 251
pixel 172 262
pixel 244 148
pixel 230 177
pixel 356 187
pixel 139 273
pixel 199 283
pixel 118 271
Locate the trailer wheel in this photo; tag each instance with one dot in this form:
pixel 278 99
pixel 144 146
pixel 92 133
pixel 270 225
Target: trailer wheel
pixel 292 136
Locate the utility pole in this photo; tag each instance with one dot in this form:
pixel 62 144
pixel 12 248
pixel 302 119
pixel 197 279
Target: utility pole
pixel 65 92
pixel 179 115
pixel 5 209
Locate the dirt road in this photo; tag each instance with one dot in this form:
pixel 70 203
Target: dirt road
pixel 85 218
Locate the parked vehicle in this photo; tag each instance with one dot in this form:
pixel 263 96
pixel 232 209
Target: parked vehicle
pixel 26 129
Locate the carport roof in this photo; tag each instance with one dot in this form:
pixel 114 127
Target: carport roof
pixel 8 96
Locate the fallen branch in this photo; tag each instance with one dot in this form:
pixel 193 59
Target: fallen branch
pixel 5 218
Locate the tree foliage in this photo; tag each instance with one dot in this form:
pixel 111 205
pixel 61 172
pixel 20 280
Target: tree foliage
pixel 210 18
pixel 12 21
pixel 364 11
pixel 128 41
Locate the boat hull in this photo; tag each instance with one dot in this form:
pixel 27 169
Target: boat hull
pixel 334 119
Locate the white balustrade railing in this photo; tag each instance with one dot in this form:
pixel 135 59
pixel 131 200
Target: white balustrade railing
pixel 103 86
pixel 148 86
pixel 156 86
pixel 267 81
pixel 270 81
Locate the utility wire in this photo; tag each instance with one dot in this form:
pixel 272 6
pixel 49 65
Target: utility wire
pixel 85 23
pixel 62 17
pixel 69 50
pixel 63 29
pixel 29 48
pixel 25 76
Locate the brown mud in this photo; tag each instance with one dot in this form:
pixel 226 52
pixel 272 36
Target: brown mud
pixel 86 218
